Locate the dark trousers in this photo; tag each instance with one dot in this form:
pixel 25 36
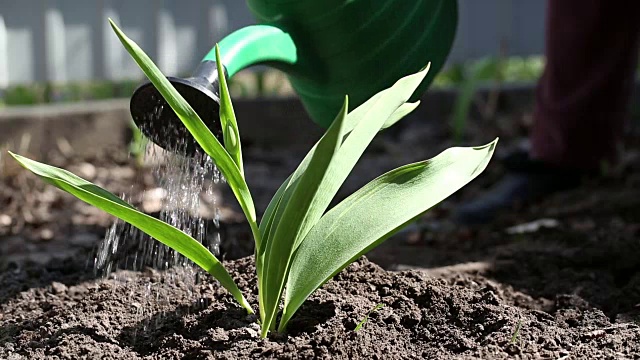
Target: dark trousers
pixel 583 96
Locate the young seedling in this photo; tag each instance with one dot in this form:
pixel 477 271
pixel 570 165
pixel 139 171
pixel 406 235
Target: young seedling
pixel 366 317
pixel 516 332
pixel 137 145
pixel 299 244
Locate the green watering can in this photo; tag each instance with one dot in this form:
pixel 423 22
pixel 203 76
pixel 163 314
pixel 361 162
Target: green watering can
pixel 327 48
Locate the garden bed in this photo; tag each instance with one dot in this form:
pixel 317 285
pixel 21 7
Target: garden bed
pixel 568 291
pixel 422 317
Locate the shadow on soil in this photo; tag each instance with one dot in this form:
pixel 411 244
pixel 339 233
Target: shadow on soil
pixel 15 278
pixel 592 254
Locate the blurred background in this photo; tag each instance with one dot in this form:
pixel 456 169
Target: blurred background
pixel 64 50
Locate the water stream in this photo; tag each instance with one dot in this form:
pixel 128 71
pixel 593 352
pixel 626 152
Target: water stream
pixel 185 189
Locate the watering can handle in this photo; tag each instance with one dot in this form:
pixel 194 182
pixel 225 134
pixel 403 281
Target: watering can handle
pixel 352 52
pixel 252 45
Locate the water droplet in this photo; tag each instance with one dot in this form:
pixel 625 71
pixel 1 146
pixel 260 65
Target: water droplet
pixel 185 181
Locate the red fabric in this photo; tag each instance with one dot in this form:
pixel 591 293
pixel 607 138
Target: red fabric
pixel 583 95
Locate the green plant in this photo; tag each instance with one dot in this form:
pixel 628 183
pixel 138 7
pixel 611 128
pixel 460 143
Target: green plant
pixel 489 72
pixel 477 73
pixel 299 244
pixel 366 317
pixel 137 145
pixel 22 95
pixel 516 332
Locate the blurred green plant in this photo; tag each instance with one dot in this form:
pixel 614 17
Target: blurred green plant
pixel 23 95
pixel 261 83
pixel 71 92
pixel 492 72
pixel 513 70
pixel 478 72
pixel 138 144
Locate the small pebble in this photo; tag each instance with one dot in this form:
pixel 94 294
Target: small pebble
pixel 5 220
pixel 105 286
pixel 218 335
pixel 58 288
pixel 46 234
pixel 77 290
pixel 253 333
pixel 87 171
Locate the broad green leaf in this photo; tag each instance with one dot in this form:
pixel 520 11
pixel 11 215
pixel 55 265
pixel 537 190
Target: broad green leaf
pixel 228 117
pixel 279 250
pixel 163 232
pixel 267 217
pixel 265 228
pixel 353 118
pixel 196 127
pixel 375 212
pixel 404 110
pixel 368 123
pixel 266 224
pixel 269 214
pixel 384 109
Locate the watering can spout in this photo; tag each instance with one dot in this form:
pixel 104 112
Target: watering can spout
pixel 327 48
pixel 244 48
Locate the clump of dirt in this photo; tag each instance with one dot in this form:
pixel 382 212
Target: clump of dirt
pixel 54 312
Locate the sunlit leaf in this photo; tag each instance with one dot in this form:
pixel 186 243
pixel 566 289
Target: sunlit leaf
pixel 375 212
pixel 163 232
pixel 228 117
pixel 196 127
pixel 278 251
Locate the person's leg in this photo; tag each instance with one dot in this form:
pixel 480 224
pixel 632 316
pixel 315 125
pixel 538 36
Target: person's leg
pixel 583 96
pixel 581 103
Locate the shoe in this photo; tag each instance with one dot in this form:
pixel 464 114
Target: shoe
pixel 526 180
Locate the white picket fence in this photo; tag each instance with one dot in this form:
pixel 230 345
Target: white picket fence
pixel 70 40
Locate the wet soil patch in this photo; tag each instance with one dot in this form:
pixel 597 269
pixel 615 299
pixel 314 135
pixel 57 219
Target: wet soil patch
pixel 423 317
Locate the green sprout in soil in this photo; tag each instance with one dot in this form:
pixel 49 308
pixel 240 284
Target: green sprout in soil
pixel 300 243
pixel 366 317
pixel 516 333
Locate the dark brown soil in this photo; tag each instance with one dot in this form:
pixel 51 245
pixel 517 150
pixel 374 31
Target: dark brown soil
pixel 567 292
pixel 422 317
